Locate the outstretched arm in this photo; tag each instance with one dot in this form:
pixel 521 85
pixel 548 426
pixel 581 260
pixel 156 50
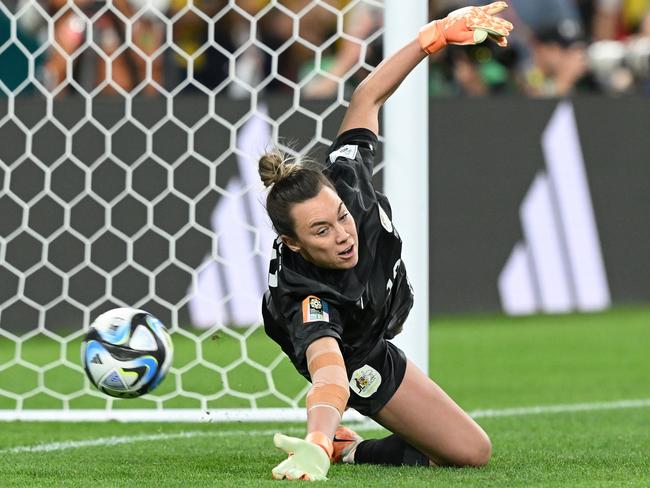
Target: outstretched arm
pixel 375 89
pixel 326 401
pixel 468 25
pixel 328 397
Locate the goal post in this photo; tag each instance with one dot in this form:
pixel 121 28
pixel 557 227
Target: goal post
pixel 128 178
pixel 406 178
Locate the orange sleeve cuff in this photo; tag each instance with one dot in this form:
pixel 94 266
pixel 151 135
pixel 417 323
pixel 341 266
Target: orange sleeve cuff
pixel 431 39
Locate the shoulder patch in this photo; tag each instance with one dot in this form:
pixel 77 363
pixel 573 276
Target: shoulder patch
pixel 315 310
pixel 348 151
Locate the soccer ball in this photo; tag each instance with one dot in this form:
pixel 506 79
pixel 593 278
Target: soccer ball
pixel 126 352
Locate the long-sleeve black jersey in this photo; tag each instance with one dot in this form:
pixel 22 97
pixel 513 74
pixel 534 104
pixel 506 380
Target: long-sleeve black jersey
pixel 358 306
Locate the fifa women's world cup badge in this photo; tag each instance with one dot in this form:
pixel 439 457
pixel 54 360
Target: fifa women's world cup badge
pixel 315 310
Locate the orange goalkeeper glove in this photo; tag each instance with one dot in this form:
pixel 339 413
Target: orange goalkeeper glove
pixel 308 459
pixel 468 25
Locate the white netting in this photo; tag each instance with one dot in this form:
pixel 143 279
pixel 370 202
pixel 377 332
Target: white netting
pixel 130 134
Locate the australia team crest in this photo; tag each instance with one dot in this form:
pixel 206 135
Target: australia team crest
pixel 365 381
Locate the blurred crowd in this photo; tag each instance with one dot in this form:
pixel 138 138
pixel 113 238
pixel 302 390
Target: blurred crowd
pixel 151 46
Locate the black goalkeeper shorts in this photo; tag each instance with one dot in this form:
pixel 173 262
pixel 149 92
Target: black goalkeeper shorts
pixel 374 383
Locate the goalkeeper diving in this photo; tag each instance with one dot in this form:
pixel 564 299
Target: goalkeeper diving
pixel 338 288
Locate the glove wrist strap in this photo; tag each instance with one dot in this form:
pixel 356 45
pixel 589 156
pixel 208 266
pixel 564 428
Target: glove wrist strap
pixel 322 441
pixel 431 37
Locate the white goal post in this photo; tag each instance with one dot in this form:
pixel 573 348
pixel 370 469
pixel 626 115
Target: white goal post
pixel 125 183
pixel 406 179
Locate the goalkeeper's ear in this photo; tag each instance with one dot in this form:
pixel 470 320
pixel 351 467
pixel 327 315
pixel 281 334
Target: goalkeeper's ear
pixel 291 243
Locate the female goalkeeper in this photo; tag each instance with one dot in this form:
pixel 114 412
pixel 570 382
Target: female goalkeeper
pixel 338 289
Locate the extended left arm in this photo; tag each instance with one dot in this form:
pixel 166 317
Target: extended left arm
pixel 375 89
pixel 468 25
pixel 310 458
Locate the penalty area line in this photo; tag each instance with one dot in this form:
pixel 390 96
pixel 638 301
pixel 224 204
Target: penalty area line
pixel 363 426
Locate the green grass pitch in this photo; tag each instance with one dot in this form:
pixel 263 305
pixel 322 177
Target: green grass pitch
pixel 484 362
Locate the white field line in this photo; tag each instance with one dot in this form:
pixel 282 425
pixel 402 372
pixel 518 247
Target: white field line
pixel 114 441
pixel 364 426
pixel 572 407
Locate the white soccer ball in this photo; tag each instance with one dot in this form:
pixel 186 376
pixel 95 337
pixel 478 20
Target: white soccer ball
pixel 126 352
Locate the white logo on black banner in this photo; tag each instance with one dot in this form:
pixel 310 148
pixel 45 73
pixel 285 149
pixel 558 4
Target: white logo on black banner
pixel 348 151
pixel 558 267
pixel 231 280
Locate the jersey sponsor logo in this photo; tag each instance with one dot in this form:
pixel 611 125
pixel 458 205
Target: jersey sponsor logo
pixel 348 151
pixel 315 310
pixel 365 381
pixel 384 219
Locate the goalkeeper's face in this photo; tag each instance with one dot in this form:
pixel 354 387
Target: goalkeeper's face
pixel 325 232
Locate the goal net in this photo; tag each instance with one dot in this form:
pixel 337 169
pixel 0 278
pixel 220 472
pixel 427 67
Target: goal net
pixel 130 132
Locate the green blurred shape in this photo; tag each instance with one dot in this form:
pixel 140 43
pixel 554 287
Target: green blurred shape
pixel 221 349
pixel 89 402
pixel 184 350
pixel 73 351
pixel 7 403
pixel 270 401
pixel 40 350
pixel 18 379
pixel 261 349
pixel 286 379
pixel 64 379
pixel 7 350
pixel 42 401
pixel 202 380
pixel 229 401
pixel 182 401
pixel 143 402
pixel 168 385
pixel 247 379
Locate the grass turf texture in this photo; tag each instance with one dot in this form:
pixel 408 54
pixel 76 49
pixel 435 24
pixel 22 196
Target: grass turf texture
pixel 483 362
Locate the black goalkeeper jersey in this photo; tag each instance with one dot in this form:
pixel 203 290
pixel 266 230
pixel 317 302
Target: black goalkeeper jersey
pixel 360 306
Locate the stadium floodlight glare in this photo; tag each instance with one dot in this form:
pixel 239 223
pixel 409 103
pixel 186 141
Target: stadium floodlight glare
pixel 113 201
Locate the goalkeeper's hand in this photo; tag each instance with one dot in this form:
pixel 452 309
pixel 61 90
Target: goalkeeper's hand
pixel 306 461
pixel 468 25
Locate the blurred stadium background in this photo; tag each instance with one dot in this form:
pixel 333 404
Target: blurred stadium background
pixel 130 133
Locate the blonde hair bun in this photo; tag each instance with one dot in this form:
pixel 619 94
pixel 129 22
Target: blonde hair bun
pixel 275 166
